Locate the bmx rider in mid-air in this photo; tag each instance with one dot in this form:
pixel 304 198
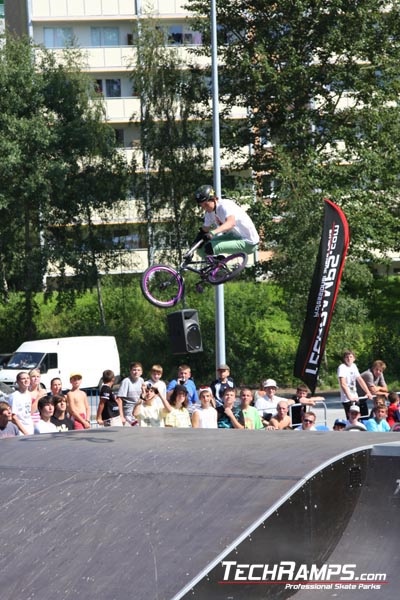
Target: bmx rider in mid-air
pixel 227 228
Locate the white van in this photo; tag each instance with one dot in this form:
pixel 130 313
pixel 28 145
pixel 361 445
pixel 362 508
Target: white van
pixel 59 357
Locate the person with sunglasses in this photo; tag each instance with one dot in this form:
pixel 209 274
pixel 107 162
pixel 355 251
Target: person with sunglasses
pixel 308 422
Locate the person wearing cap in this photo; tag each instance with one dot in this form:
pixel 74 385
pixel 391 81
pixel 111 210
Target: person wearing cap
pixel 219 385
pixel 227 226
pixel 353 421
pixel 77 403
pixel 267 405
pixel 379 422
pixel 46 411
pixel 179 415
pixel 205 416
pixel 339 425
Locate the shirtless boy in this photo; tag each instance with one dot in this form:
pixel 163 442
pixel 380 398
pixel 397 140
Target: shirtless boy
pixel 78 405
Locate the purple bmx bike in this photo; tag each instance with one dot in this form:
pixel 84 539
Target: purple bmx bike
pixel 164 286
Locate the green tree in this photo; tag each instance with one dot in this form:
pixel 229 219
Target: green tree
pixel 59 169
pixel 174 136
pixel 320 81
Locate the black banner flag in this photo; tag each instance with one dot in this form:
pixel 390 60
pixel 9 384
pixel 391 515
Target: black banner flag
pixel 323 294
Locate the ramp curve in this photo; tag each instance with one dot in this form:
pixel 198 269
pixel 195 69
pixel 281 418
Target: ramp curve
pixel 149 514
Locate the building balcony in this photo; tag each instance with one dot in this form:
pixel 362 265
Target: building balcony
pixel 123 58
pixel 91 9
pixel 120 110
pixel 226 160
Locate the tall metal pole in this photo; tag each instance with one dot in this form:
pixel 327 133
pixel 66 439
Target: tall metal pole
pixel 146 159
pixel 220 354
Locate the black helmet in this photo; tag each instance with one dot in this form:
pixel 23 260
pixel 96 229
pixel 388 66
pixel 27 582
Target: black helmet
pixel 203 193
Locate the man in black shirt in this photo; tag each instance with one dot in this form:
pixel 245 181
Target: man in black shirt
pixel 110 411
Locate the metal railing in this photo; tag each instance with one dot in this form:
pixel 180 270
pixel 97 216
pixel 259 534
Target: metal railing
pixel 317 407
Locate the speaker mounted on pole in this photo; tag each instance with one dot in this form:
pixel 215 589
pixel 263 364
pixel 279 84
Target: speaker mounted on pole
pixel 184 332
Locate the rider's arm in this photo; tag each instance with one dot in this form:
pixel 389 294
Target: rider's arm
pixel 225 226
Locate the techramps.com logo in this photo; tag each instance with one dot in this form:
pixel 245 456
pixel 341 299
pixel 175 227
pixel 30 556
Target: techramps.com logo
pixel 294 576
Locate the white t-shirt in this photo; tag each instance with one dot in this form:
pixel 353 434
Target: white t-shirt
pixel 45 427
pixel 358 424
pixel 208 417
pixel 265 404
pixel 244 228
pixel 21 406
pixel 350 374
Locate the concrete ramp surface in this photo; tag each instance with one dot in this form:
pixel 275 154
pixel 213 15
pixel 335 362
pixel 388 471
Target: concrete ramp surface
pixel 157 514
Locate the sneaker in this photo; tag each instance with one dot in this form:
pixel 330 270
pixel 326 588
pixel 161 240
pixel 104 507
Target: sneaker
pixel 212 258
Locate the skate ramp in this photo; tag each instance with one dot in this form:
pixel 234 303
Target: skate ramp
pixel 151 514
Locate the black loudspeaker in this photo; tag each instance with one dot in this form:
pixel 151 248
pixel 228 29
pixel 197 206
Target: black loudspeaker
pixel 184 331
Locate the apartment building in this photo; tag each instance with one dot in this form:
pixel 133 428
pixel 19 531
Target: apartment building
pixel 103 29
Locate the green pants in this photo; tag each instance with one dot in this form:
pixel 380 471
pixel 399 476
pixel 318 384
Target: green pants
pixel 227 243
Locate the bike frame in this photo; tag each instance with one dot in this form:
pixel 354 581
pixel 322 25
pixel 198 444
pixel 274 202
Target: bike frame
pixel 190 265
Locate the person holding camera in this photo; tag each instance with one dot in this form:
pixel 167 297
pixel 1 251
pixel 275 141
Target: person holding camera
pixel 148 411
pixel 185 379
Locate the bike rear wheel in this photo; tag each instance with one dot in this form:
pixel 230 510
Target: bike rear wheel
pixel 227 268
pixel 162 286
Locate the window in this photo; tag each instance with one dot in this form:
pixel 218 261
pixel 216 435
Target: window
pixel 58 37
pixel 110 88
pixel 50 361
pixel 104 36
pixel 177 35
pixel 119 137
pixel 113 88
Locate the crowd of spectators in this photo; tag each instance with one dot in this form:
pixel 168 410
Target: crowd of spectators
pixel 31 409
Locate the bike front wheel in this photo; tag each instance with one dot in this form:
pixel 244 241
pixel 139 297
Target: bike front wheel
pixel 162 286
pixel 227 268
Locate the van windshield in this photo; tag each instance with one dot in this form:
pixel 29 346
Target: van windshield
pixel 24 360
